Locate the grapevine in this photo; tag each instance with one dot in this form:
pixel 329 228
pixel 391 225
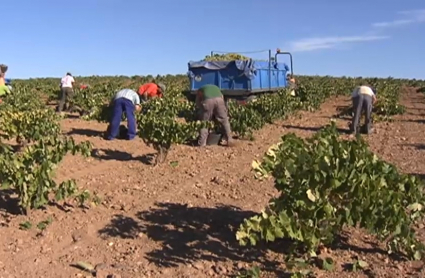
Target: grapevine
pixel 165 122
pixel 32 146
pixel 326 183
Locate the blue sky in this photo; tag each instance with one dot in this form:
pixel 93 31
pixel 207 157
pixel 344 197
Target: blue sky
pixel 138 37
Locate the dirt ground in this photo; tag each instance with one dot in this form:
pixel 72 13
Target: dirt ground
pixel 179 219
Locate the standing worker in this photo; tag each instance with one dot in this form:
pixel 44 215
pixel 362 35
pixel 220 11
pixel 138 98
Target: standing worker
pixel 126 101
pixel 151 90
pixel 210 102
pixel 363 97
pixel 67 92
pixel 291 84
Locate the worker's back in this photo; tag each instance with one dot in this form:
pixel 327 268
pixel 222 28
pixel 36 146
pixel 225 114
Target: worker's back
pixel 210 91
pixel 149 88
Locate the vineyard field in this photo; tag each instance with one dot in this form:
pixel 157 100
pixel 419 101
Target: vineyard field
pixel 125 215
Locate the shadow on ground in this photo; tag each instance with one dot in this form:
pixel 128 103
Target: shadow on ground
pixel 342 242
pixel 415 114
pixel 9 202
pixel 419 121
pixel 189 234
pixel 416 146
pixel 341 130
pixel 107 154
pixel 85 132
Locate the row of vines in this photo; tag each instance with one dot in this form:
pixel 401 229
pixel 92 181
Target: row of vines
pixel 172 120
pixel 33 145
pixel 326 184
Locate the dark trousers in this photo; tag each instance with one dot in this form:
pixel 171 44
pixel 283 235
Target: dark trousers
pixel 66 95
pixel 362 103
pixel 214 108
pixel 119 106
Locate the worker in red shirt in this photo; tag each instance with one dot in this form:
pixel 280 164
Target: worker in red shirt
pixel 151 90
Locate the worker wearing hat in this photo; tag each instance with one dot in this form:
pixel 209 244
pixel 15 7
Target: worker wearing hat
pixel 151 90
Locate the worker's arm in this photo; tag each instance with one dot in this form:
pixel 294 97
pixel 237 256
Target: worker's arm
pixel 136 102
pixel 373 95
pixel 111 102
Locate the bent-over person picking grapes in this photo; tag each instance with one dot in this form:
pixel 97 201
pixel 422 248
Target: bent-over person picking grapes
pixel 210 104
pixel 126 101
pixel 152 90
pixel 363 97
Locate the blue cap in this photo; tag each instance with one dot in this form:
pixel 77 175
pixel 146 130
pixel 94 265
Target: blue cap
pixel 7 81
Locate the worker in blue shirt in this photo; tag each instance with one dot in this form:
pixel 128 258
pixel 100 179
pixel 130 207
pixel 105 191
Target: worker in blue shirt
pixel 363 97
pixel 127 101
pixel 8 83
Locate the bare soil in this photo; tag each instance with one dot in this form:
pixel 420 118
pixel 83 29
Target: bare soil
pixel 179 219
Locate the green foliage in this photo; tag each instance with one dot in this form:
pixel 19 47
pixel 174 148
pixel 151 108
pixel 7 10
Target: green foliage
pixel 226 57
pixel 173 120
pixel 32 145
pixel 325 184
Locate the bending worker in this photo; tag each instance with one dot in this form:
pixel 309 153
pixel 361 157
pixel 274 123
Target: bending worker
pixel 151 90
pixel 363 97
pixel 126 101
pixel 210 102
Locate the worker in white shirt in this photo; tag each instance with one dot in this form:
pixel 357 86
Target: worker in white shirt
pixel 67 91
pixel 364 97
pixel 127 101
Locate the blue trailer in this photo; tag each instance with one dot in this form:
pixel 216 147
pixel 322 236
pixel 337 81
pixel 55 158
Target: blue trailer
pixel 8 83
pixel 241 79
